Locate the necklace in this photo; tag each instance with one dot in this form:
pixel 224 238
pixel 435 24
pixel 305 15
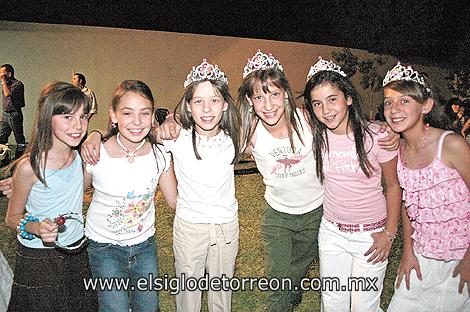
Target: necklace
pixel 130 155
pixel 421 148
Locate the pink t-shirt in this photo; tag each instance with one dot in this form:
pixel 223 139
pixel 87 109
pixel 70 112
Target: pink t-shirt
pixel 350 196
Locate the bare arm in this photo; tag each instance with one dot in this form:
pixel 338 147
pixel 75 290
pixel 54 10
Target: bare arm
pixel 23 180
pixel 90 149
pixel 390 142
pixel 383 241
pixel 408 261
pixel 87 179
pixel 168 185
pixel 456 154
pixel 463 269
pixel 465 128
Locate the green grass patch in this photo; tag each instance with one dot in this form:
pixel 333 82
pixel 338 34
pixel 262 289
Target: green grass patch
pixel 250 260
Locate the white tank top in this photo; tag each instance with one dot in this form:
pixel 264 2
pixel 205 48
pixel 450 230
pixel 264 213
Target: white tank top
pixel 292 185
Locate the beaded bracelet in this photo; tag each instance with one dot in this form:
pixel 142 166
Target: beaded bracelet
pixel 22 226
pixel 391 237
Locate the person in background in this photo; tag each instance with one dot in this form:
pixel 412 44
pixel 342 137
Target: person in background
pixel 13 102
pixel 79 81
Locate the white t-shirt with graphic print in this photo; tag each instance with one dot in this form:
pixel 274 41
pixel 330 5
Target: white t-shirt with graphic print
pixel 292 185
pixel 122 211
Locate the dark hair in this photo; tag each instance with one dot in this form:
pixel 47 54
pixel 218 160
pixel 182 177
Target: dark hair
pixel 230 122
pixel 448 110
pixel 160 114
pixel 81 77
pixel 357 120
pixel 436 117
pixel 9 69
pixel 56 98
pixel 124 87
pixel 247 89
pixel 143 90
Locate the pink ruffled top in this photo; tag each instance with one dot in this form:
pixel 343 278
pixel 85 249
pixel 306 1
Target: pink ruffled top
pixel 438 204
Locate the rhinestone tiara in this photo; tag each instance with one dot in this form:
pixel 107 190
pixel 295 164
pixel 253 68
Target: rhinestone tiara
pixel 400 72
pixel 322 65
pixel 205 70
pixel 261 61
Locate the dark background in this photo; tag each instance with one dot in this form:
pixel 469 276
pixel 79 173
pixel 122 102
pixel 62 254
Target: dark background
pixel 425 32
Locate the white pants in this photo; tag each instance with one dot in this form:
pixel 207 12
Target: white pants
pixel 200 248
pixel 437 292
pixel 342 257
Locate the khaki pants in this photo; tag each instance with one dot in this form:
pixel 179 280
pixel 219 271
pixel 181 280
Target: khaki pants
pixel 200 248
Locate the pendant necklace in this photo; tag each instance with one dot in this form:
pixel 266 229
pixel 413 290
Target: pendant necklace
pixel 130 155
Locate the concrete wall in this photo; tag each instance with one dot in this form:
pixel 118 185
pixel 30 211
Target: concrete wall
pixel 44 52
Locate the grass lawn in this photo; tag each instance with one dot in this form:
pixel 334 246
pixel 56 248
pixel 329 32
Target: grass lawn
pixel 250 260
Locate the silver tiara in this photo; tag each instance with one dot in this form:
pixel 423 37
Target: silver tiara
pixel 261 61
pixel 322 65
pixel 400 72
pixel 205 70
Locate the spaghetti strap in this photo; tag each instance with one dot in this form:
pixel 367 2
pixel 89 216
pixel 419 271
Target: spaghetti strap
pixel 441 141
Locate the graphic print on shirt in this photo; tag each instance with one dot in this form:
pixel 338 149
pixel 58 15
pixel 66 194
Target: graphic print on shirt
pixel 341 162
pixel 287 162
pixel 128 216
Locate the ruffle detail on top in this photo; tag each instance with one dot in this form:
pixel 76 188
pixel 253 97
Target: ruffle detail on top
pixel 443 240
pixel 438 204
pixel 437 190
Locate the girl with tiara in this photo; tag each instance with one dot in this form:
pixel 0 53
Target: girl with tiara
pixel 279 137
pixel 359 223
pixel 121 217
pixel 205 229
pixel 435 176
pixel 47 185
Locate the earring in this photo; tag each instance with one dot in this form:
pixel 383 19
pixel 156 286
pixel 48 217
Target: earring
pixel 250 109
pixel 113 125
pixel 424 111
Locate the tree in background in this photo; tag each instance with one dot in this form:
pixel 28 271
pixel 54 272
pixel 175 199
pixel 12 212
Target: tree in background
pixel 459 83
pixel 371 70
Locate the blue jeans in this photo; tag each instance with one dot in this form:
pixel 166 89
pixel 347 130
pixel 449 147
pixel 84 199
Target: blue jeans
pixel 126 263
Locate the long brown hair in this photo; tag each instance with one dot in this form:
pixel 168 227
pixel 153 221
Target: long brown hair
pixel 230 122
pixel 357 120
pixel 247 89
pixel 142 89
pixel 56 98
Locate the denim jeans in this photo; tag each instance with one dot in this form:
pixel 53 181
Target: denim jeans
pixel 128 263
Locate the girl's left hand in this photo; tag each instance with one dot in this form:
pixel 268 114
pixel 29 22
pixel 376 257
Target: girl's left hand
pixel 463 269
pixel 380 249
pixel 392 141
pixel 6 186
